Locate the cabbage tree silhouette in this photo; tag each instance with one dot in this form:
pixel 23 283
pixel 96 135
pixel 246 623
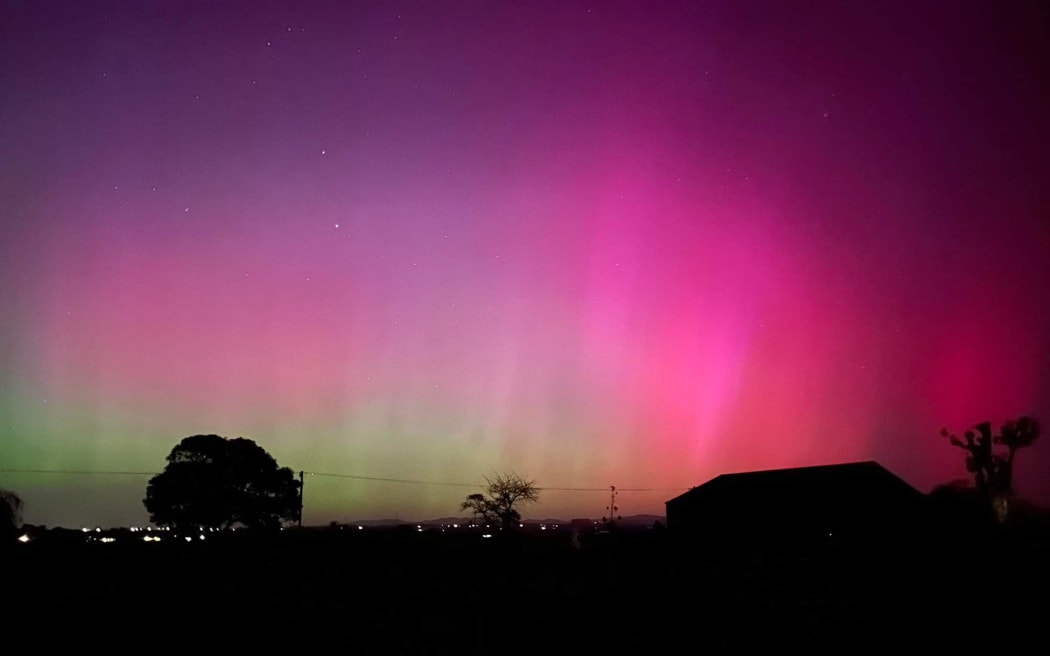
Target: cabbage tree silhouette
pixel 215 482
pixel 993 471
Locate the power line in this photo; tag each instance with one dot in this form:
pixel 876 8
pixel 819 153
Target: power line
pixel 406 481
pixel 619 489
pixel 76 471
pixel 393 480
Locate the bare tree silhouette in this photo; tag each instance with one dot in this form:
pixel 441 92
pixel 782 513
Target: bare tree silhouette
pixel 505 493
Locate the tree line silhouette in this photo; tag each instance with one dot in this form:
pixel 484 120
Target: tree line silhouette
pixel 211 481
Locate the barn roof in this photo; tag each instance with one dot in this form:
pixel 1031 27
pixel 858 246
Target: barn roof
pixel 851 478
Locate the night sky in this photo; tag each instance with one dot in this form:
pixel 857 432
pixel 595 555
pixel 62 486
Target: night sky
pixel 607 243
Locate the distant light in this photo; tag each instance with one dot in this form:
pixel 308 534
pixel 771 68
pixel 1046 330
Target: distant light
pixel 189 539
pixel 24 539
pixel 107 540
pixel 202 536
pixel 149 528
pixel 134 528
pixel 360 528
pixel 419 526
pixel 85 529
pixel 486 535
pixel 98 530
pixel 521 526
pixel 455 526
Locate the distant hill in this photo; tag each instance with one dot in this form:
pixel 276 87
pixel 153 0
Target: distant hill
pixel 642 520
pixel 633 521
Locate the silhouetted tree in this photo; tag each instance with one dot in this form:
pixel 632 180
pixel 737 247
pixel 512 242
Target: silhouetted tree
pixel 10 515
pixel 503 494
pixel 992 471
pixel 212 481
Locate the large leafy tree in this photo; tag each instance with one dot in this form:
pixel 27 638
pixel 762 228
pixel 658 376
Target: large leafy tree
pixel 504 494
pixel 993 468
pixel 213 481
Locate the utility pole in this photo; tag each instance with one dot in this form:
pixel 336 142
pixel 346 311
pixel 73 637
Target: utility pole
pixel 612 507
pixel 302 486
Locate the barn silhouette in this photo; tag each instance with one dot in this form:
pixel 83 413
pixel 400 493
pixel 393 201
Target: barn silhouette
pixel 847 503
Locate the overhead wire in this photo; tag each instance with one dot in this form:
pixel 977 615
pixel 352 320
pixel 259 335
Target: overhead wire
pixel 381 479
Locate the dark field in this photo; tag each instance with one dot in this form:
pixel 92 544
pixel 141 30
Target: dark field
pixel 390 591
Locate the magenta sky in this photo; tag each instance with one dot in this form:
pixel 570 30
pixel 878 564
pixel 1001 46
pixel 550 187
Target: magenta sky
pixel 638 243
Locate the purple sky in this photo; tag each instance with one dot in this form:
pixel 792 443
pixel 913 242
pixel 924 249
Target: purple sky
pixel 609 243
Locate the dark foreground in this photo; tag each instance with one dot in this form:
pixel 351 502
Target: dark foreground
pixel 407 592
